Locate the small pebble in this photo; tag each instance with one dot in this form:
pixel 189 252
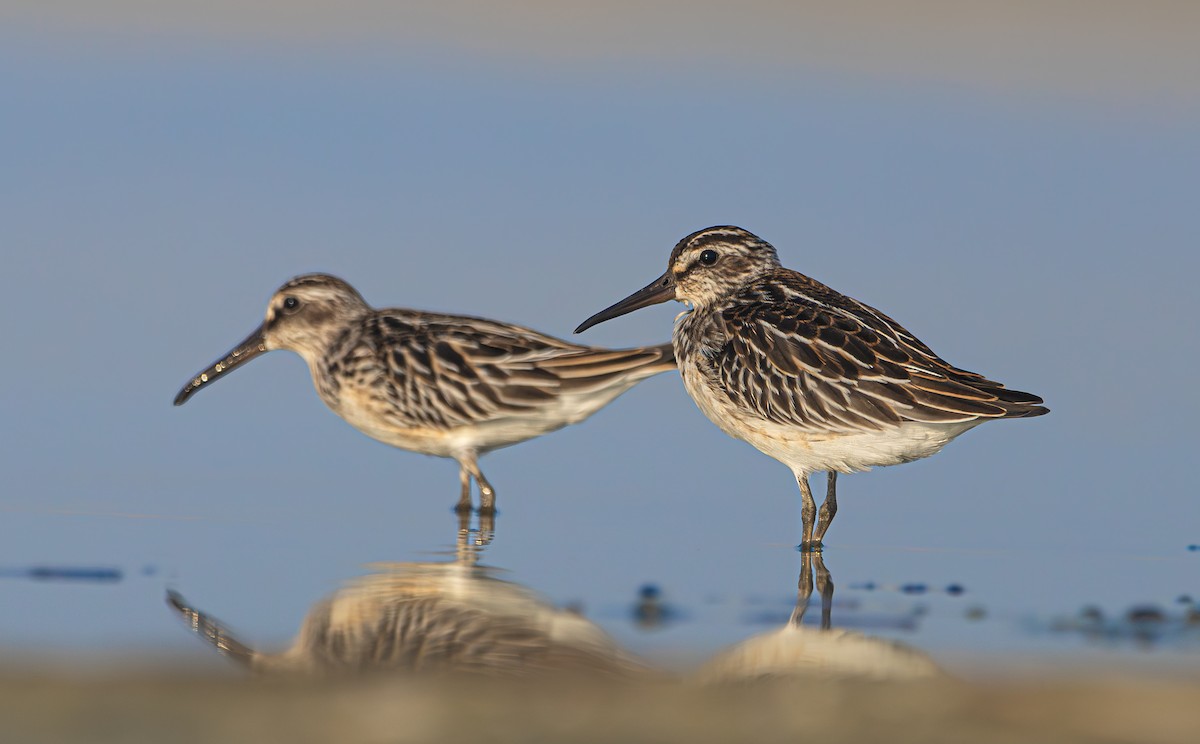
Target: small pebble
pixel 1091 613
pixel 1145 614
pixel 54 573
pixel 649 612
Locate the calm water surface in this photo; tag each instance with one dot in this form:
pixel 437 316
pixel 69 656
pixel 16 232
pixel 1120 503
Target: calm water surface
pixel 260 580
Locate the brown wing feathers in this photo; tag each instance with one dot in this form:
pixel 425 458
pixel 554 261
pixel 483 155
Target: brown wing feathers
pixel 446 371
pixel 798 352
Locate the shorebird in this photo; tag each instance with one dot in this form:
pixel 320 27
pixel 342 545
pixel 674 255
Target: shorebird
pixel 809 376
pixel 431 617
pixel 447 385
pixel 797 651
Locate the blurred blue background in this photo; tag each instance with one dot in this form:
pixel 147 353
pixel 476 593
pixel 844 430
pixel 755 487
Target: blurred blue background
pixel 1019 189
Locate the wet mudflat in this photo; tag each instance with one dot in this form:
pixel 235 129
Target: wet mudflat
pixel 119 704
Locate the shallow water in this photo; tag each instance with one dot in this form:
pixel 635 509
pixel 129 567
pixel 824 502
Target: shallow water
pixel 961 610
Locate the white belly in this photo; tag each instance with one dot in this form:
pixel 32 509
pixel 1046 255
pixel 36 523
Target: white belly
pixel 810 451
pixel 365 412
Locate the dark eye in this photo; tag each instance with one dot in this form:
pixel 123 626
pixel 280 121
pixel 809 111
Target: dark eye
pixel 290 303
pixel 708 258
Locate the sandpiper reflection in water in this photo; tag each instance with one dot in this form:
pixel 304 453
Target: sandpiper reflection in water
pixel 447 385
pixel 797 650
pixel 431 617
pixel 811 377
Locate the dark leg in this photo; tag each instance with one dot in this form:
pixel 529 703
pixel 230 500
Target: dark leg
pixel 487 495
pixel 487 502
pixel 828 510
pixel 487 528
pixel 803 588
pixel 808 513
pixel 825 587
pixel 464 528
pixel 464 500
pixel 468 549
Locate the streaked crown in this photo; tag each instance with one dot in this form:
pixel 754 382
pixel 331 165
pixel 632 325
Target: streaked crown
pixel 717 261
pixel 306 313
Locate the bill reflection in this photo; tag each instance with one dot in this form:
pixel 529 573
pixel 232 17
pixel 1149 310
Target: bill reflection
pixel 455 617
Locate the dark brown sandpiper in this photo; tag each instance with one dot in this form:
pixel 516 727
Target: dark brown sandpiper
pixel 809 376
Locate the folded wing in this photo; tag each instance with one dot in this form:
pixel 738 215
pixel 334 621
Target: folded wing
pixel 450 370
pixel 797 360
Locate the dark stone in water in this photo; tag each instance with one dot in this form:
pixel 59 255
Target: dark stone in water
pixel 52 573
pixel 1145 614
pixel 975 612
pixel 650 611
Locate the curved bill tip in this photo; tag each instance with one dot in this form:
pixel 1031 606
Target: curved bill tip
pixel 659 290
pixel 250 347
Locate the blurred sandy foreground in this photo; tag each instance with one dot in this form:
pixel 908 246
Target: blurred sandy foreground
pixel 140 705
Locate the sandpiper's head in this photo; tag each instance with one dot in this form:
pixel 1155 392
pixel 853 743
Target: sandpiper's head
pixel 704 267
pixel 715 262
pixel 304 316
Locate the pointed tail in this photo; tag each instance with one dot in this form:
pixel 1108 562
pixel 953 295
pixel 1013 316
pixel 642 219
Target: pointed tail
pixel 667 351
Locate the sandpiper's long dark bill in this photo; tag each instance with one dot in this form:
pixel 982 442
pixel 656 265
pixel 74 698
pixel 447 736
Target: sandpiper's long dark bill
pixel 658 291
pixel 448 385
pixel 433 618
pixel 252 346
pixel 809 376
